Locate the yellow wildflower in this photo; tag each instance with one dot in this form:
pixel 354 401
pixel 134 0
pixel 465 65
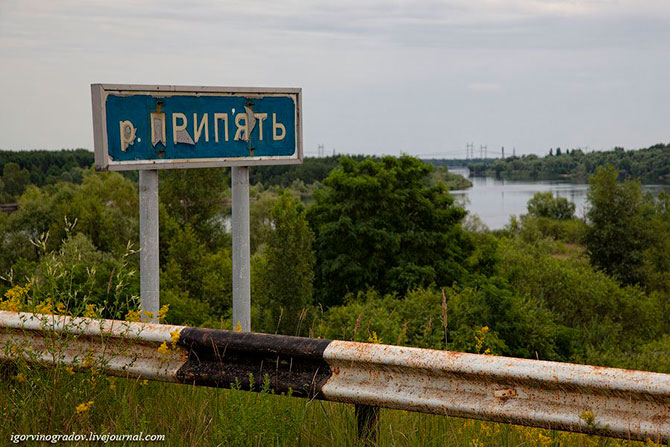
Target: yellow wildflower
pixel 15 297
pixel 84 407
pixel 145 382
pixel 175 337
pixel 18 292
pixel 588 417
pixel 13 304
pixel 164 350
pixel 93 380
pixel 20 377
pixel 162 312
pixel 90 311
pixel 45 307
pixel 480 337
pixel 60 308
pixel 545 441
pixel 70 370
pixel 88 359
pixel 238 328
pixel 112 383
pixel 133 315
pixel 374 338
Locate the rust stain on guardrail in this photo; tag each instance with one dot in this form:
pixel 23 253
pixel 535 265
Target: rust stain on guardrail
pixel 587 399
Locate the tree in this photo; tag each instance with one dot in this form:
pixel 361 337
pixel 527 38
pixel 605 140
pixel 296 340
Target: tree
pixel 260 217
pixel 15 179
pixel 657 255
pixel 196 197
pixel 286 281
pixel 380 224
pixel 105 208
pixel 196 277
pixel 38 163
pixel 618 233
pixel 543 204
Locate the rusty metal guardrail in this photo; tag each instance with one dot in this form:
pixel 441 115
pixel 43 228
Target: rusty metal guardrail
pixel 602 401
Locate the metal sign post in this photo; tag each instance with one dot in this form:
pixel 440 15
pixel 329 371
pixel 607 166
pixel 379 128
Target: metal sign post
pixel 241 251
pixel 149 270
pixel 150 127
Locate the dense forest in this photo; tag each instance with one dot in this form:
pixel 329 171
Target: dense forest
pixel 18 169
pixel 651 165
pixel 361 248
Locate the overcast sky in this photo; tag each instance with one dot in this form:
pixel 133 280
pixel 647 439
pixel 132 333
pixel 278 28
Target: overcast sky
pixel 379 77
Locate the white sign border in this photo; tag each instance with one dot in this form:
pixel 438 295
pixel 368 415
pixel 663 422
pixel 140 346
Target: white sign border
pixel 103 161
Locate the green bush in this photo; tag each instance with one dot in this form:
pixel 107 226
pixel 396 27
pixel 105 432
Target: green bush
pixel 601 311
pixel 514 326
pixel 544 204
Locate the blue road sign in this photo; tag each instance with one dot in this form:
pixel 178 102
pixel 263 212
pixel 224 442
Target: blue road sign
pixel 154 127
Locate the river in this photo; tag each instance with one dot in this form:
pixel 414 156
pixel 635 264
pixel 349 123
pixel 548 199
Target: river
pixel 495 200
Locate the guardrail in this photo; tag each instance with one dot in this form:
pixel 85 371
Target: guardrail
pixel 587 399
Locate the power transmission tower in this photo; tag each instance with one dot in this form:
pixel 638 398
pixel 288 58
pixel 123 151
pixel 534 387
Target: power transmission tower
pixel 470 150
pixel 321 150
pixel 482 151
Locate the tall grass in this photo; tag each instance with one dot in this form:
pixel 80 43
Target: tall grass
pixel 50 401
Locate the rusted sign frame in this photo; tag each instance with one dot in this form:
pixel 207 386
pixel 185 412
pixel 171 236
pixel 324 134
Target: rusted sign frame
pixel 99 93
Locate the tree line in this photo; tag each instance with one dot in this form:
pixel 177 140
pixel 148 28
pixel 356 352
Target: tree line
pixel 650 165
pixel 19 169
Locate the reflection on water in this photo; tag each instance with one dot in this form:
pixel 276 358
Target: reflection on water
pixel 495 200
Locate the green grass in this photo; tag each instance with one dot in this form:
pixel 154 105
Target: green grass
pixel 45 401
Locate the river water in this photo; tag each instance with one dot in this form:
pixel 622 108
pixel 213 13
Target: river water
pixel 495 200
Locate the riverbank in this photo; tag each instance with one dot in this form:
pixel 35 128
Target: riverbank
pixel 650 165
pixel 495 200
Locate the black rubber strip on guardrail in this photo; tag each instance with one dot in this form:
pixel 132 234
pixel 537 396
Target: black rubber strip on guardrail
pixel 225 359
